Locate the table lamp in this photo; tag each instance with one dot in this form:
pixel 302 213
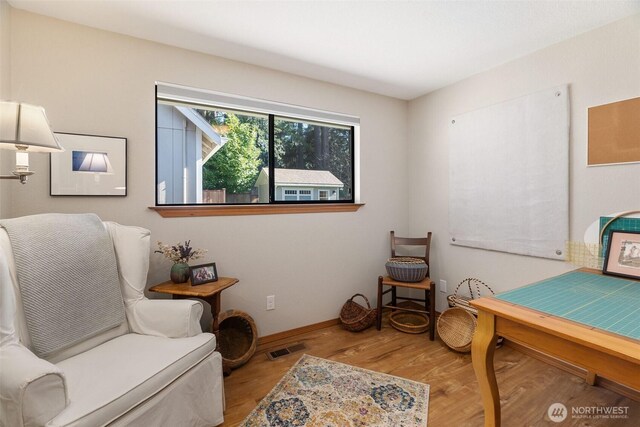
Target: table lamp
pixel 25 128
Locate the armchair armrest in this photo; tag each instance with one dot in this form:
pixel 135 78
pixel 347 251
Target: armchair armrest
pixel 32 390
pixel 166 318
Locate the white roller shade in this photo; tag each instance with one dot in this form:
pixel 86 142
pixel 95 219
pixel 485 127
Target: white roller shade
pixel 173 92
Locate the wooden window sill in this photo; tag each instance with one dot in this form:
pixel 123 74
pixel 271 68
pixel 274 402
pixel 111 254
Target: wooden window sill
pixel 256 209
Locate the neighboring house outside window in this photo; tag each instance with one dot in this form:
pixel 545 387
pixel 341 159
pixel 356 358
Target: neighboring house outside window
pixel 185 142
pixel 299 184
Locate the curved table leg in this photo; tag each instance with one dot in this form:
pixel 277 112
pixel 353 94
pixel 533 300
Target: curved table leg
pixel 214 302
pixel 379 309
pixel 482 348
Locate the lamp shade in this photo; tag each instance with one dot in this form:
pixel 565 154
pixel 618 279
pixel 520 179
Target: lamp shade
pixel 26 125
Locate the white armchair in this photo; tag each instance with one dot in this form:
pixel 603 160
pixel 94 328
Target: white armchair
pixel 155 367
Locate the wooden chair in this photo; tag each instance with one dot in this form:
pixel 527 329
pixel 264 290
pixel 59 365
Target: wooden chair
pixel 426 285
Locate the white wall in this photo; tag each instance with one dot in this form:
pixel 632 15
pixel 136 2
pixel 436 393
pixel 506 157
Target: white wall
pixel 6 157
pixel 601 66
pixel 96 82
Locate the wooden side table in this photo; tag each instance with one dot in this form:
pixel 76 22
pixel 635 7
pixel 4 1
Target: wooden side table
pixel 209 292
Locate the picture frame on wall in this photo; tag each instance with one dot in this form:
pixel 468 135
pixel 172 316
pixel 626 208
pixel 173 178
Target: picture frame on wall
pixel 203 273
pixel 623 254
pixel 91 165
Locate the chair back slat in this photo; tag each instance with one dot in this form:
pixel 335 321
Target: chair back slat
pixel 411 241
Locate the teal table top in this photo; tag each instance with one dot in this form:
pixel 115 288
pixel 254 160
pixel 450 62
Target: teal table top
pixel 604 302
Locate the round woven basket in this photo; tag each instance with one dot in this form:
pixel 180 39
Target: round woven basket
pixel 411 323
pixel 456 327
pixel 406 269
pixel 238 338
pixel 354 317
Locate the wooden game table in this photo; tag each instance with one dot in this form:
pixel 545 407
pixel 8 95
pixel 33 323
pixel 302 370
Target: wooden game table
pixel 583 317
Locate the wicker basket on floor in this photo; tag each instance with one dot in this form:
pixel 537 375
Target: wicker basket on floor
pixel 456 327
pixel 477 288
pixel 411 323
pixel 238 338
pixel 355 317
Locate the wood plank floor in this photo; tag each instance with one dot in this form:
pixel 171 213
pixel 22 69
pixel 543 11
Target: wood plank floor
pixel 527 385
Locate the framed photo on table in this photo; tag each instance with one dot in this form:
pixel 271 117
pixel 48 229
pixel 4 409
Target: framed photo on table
pixel 91 165
pixel 623 254
pixel 203 273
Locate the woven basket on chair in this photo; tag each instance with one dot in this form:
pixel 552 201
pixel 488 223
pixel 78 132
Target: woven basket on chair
pixel 456 327
pixel 355 317
pixel 406 269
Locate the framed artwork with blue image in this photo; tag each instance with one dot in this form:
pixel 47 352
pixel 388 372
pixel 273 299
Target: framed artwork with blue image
pixel 91 165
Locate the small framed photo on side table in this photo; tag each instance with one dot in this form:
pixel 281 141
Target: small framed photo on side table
pixel 203 273
pixel 623 254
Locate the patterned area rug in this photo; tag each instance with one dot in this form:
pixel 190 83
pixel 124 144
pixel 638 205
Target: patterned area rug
pixel 318 392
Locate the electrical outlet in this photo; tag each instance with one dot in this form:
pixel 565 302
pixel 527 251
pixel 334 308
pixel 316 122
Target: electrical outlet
pixel 443 286
pixel 271 302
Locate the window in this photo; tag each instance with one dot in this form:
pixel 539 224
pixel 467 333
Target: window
pixel 214 148
pixel 304 194
pixel 315 155
pixel 291 195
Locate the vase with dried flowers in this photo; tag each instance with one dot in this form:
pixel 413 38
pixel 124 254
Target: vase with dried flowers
pixel 180 254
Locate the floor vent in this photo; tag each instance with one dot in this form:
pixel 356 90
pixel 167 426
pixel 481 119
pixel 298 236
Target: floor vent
pixel 279 352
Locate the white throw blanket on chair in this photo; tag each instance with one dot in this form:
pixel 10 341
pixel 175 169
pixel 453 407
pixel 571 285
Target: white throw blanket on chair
pixel 88 287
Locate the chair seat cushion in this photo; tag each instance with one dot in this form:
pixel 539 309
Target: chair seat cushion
pixel 110 379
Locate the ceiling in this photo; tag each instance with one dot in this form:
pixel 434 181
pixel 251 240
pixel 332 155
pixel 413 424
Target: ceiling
pixel 402 49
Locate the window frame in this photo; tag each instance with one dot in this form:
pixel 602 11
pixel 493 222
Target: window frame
pixel 272 115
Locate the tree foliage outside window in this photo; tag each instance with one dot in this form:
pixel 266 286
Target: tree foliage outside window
pixel 297 145
pixel 236 165
pixel 311 146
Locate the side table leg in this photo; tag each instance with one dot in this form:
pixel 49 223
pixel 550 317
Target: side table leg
pixel 482 349
pixel 379 309
pixel 432 310
pixel 214 302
